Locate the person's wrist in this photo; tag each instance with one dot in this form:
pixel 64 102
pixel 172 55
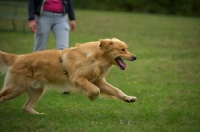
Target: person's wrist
pixel 31 20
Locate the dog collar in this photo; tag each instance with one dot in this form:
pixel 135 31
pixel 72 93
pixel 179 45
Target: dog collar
pixel 63 68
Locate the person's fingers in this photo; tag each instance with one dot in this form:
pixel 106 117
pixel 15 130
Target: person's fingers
pixel 72 25
pixel 34 29
pixel 32 26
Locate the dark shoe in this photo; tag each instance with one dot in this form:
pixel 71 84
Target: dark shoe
pixel 65 92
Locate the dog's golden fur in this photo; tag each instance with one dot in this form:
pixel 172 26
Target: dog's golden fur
pixel 86 66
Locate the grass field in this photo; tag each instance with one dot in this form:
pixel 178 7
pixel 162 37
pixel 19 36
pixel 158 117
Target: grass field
pixel 165 78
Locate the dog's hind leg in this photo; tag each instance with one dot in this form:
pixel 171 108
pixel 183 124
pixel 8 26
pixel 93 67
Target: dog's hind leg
pixel 9 93
pixel 33 96
pixel 11 88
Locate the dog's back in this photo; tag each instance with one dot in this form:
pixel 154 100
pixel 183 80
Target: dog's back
pixel 41 64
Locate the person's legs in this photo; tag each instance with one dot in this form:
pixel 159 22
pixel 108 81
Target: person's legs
pixel 61 32
pixel 42 32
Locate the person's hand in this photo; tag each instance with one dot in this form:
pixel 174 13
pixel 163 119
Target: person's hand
pixel 72 25
pixel 32 26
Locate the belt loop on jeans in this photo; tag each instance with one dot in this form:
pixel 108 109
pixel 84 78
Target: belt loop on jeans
pixel 54 14
pixel 58 14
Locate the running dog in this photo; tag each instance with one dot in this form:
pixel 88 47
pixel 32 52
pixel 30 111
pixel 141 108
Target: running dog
pixel 82 68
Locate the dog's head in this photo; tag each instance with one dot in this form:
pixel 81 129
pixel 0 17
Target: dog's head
pixel 116 51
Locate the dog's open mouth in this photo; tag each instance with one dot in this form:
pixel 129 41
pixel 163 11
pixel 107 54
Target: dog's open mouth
pixel 120 63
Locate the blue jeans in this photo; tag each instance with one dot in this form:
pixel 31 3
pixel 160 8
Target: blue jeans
pixel 59 25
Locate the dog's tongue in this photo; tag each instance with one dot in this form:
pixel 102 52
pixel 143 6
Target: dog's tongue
pixel 121 63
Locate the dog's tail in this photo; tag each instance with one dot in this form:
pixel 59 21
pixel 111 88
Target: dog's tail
pixel 6 60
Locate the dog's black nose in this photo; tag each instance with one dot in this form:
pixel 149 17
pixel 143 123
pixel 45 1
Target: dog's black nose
pixel 134 57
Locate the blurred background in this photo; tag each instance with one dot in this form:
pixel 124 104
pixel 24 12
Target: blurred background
pixel 163 34
pixel 170 7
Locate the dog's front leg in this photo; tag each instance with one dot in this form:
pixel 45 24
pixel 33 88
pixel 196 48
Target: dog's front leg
pixel 91 90
pixel 108 89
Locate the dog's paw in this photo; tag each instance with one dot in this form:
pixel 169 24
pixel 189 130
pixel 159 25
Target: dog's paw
pixel 130 99
pixel 42 114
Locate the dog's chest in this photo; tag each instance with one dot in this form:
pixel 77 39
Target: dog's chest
pixel 98 72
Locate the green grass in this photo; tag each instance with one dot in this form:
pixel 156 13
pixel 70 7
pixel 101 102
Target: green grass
pixel 165 78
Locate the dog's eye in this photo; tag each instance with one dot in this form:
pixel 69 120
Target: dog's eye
pixel 122 49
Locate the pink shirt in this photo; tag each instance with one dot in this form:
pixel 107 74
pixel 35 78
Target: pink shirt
pixel 53 6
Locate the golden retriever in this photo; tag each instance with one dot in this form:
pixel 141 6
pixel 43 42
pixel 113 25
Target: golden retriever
pixel 82 68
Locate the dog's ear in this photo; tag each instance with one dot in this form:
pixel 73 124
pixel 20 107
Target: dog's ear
pixel 105 44
pixel 115 39
pixel 78 45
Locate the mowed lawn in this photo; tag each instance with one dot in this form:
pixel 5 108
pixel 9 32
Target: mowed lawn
pixel 165 78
